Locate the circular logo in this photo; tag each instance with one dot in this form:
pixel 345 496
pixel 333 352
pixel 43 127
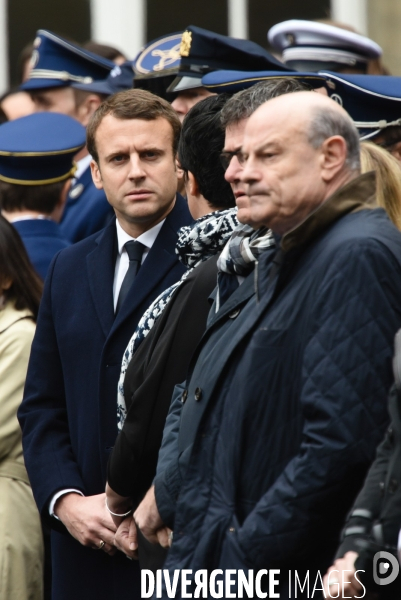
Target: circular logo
pixel 337 99
pixel 385 568
pixel 162 54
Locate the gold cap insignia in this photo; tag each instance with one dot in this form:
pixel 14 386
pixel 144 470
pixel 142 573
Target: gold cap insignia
pixel 186 42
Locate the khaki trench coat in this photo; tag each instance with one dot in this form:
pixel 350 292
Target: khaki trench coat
pixel 21 543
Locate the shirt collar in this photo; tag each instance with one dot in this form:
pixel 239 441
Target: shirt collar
pixel 82 165
pixel 147 238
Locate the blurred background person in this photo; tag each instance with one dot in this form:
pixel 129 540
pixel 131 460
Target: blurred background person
pixel 373 103
pixel 16 104
pixel 36 166
pixel 21 544
pixel 313 46
pixel 203 51
pixel 388 178
pixel 109 52
pixel 56 65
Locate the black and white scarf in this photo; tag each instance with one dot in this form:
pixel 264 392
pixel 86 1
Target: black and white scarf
pixel 240 255
pixel 196 243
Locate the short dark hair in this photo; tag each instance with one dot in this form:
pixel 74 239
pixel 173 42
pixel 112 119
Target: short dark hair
pixel 26 287
pixel 133 104
pixel 243 104
pixel 41 198
pixel 388 137
pixel 202 140
pixel 104 50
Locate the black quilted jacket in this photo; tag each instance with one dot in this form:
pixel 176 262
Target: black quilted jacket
pixel 293 409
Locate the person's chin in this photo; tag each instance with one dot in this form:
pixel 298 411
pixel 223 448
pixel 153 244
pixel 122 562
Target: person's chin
pixel 244 216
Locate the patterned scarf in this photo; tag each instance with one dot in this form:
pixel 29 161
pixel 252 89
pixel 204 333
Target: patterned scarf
pixel 196 243
pixel 239 257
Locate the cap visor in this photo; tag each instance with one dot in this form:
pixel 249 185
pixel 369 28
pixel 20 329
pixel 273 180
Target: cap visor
pixel 181 84
pixel 97 87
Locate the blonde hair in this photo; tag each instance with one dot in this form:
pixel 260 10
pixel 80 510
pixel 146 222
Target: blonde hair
pixel 388 178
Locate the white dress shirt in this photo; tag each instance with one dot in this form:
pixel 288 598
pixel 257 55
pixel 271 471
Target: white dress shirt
pixel 122 263
pixel 147 239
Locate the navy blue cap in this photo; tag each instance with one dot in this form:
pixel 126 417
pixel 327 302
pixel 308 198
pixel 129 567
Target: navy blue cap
pixel 235 81
pixel 159 58
pixel 39 148
pixel 56 62
pixel 203 51
pixel 372 101
pixel 119 79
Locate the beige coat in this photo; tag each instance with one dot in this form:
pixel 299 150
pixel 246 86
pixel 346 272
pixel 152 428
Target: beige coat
pixel 21 543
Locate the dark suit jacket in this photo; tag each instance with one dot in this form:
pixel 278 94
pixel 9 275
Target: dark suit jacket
pixel 158 365
pixel 87 210
pixel 68 415
pixel 42 239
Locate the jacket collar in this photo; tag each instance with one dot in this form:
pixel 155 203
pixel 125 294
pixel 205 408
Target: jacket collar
pixel 10 315
pixel 358 194
pixel 160 260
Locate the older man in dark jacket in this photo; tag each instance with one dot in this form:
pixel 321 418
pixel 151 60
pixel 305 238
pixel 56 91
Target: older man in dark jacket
pixel 279 428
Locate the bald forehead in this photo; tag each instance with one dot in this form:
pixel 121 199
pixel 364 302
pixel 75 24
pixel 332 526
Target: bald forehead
pixel 289 115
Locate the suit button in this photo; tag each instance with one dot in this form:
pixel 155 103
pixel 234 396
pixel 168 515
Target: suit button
pixel 234 313
pixel 184 396
pixel 198 394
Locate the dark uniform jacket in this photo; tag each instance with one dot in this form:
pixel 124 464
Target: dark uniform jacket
pixel 87 210
pixel 42 239
pixel 68 415
pixel 278 430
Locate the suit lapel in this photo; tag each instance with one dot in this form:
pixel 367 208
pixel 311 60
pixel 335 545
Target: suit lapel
pixel 101 266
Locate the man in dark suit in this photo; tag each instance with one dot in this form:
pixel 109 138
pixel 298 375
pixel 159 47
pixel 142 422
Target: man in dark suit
pixel 56 65
pixel 95 294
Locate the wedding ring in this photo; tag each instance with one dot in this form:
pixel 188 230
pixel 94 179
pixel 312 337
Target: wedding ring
pixel 101 544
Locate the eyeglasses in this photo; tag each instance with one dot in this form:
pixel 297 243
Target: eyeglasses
pixel 226 158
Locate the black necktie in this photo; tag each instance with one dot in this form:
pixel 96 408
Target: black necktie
pixel 134 251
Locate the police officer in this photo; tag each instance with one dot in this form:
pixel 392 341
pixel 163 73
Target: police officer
pixel 56 65
pixel 36 166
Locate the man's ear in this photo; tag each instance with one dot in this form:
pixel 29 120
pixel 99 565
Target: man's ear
pixel 193 187
pixel 96 175
pixel 333 157
pixel 86 109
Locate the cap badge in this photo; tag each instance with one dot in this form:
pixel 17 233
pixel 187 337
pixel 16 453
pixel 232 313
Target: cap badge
pixel 290 37
pixel 34 59
pixel 186 42
pixel 76 191
pixel 337 99
pixel 168 57
pixel 115 72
